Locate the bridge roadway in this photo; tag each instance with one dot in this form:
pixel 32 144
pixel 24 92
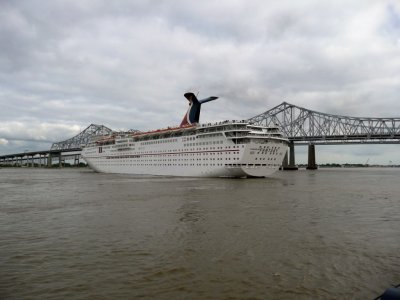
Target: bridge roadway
pixel 302 127
pixel 307 127
pixel 43 158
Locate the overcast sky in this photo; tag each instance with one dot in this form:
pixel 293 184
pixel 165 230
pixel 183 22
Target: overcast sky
pixel 126 64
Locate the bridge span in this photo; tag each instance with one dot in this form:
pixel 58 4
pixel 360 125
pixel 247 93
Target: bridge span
pixel 307 127
pixel 43 158
pixel 59 152
pixel 302 127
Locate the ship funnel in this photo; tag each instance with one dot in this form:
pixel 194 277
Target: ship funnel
pixel 193 114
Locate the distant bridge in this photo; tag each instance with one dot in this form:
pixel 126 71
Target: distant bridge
pixel 307 127
pixel 83 138
pixel 302 126
pixel 59 152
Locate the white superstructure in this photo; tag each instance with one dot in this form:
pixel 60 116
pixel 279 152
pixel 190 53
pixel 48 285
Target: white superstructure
pixel 223 149
pixel 229 148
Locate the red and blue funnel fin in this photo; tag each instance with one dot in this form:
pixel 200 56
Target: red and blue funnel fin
pixel 193 114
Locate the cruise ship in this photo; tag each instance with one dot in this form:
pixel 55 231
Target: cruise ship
pixel 221 149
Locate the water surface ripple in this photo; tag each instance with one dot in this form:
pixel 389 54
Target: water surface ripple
pixel 75 234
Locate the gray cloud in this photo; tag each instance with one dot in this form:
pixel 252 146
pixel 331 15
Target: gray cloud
pixel 64 65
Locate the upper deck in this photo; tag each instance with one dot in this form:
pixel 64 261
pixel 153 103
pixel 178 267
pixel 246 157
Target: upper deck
pixel 235 130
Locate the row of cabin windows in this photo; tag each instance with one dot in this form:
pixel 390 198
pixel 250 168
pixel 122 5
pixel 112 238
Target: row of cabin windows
pixel 264 158
pixel 210 136
pixel 203 143
pixel 194 164
pixel 197 159
pixel 198 149
pixel 159 142
pixel 191 138
pixel 177 159
pixel 170 155
pixel 166 165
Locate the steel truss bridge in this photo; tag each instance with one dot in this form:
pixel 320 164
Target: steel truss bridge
pixel 68 149
pixel 83 138
pixel 307 127
pixel 302 127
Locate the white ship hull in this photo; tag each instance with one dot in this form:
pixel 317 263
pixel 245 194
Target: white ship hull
pixel 223 149
pixel 222 159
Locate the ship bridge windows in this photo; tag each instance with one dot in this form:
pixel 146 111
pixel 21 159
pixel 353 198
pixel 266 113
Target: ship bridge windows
pixel 241 141
pixel 207 134
pixel 120 141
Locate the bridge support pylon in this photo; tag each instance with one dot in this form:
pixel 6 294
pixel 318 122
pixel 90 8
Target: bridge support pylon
pixel 292 163
pixel 49 160
pixel 311 158
pixel 76 160
pixel 284 162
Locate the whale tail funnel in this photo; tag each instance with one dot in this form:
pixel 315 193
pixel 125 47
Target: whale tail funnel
pixel 193 114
